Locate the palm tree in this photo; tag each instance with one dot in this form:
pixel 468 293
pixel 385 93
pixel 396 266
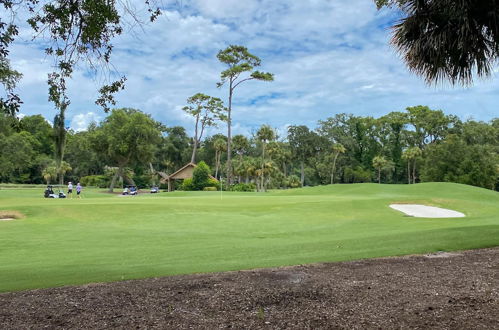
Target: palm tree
pixel 382 164
pixel 338 149
pixel 240 145
pixel 265 134
pixel 249 168
pixel 447 39
pixel 411 155
pixel 220 145
pixel 49 173
pixel 268 170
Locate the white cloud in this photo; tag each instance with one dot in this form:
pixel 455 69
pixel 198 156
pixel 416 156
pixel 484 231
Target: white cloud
pixel 328 57
pixel 81 121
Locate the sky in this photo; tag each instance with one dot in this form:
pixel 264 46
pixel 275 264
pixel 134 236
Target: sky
pixel 328 57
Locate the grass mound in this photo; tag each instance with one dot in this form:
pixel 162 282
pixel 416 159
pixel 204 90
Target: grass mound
pixel 105 238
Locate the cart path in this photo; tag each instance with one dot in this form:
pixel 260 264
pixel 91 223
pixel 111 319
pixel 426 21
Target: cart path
pixel 438 291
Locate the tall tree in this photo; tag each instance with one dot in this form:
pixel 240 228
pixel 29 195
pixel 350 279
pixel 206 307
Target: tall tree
pixel 173 149
pixel 393 137
pixel 238 61
pixel 380 163
pixel 453 160
pixel 206 110
pixel 338 149
pixel 411 155
pixel 240 144
pixel 265 134
pixel 428 125
pixel 301 141
pixel 220 144
pixel 127 137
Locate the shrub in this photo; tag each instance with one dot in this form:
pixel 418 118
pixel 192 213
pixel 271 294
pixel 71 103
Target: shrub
pixel 214 183
pixel 201 176
pixel 357 174
pixel 293 181
pixel 142 181
pixel 101 181
pixel 243 187
pixel 187 185
pixel 210 189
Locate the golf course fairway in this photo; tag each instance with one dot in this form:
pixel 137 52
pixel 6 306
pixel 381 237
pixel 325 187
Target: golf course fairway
pixel 105 237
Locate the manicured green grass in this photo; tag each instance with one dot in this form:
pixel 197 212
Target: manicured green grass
pixel 104 237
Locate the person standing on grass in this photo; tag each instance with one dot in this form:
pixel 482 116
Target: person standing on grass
pixel 70 189
pixel 78 190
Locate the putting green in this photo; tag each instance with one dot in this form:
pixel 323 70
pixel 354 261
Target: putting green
pixel 104 237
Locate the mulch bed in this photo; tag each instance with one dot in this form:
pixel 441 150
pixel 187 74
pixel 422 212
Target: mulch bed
pixel 440 291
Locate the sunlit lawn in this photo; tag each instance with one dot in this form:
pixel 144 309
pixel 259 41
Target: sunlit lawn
pixel 105 237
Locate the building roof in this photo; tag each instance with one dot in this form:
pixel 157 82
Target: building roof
pixel 180 173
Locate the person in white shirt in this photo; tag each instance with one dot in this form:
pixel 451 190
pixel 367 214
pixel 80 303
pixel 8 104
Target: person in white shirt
pixel 70 189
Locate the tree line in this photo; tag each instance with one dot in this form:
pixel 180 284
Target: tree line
pixel 415 145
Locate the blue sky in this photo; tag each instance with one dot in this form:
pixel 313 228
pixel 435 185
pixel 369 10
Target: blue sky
pixel 328 57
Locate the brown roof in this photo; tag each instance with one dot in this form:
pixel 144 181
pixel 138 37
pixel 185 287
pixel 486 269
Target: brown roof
pixel 172 176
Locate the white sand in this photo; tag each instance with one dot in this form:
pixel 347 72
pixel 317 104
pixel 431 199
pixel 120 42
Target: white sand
pixel 423 211
pixel 6 219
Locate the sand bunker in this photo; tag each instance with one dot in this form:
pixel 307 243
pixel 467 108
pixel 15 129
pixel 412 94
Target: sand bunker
pixel 423 211
pixel 10 215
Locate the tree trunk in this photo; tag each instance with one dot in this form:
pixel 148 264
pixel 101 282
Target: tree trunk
pixel 409 171
pixel 302 168
pixel 217 163
pixel 129 180
pixel 194 149
pixel 113 181
pixel 414 172
pixel 229 137
pixel 334 168
pixel 379 175
pixel 60 142
pixel 195 141
pixel 263 166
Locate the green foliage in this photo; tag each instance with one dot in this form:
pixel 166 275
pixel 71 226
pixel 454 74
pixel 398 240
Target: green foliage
pixel 357 175
pixel 187 185
pixel 341 150
pixel 142 181
pixel 100 181
pixel 214 183
pixel 201 176
pixel 455 161
pixel 431 45
pixel 10 102
pixel 210 189
pixel 238 60
pixel 127 137
pixel 293 181
pixel 206 110
pixel 243 187
pixel 16 156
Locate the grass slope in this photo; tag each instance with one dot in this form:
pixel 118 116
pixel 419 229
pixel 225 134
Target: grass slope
pixel 108 238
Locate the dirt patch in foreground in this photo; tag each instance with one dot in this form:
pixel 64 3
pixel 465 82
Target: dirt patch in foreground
pixel 447 291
